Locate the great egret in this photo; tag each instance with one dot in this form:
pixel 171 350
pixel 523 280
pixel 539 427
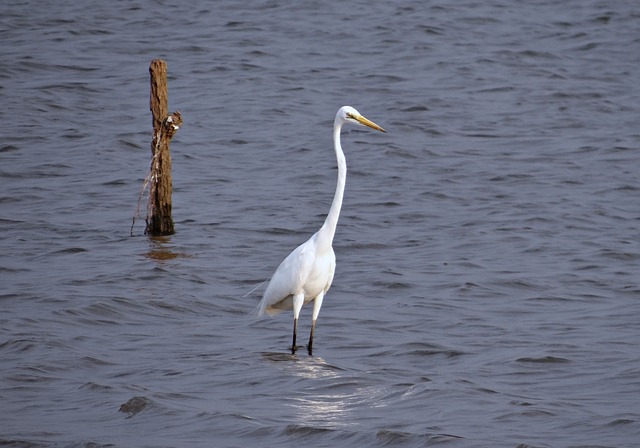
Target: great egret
pixel 307 272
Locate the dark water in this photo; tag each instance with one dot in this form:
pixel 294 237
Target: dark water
pixel 487 290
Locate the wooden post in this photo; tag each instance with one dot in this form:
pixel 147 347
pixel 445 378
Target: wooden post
pixel 159 220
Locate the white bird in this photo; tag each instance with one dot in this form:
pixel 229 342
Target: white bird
pixel 307 272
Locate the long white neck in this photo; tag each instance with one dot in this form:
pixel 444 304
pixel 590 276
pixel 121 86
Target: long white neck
pixel 328 229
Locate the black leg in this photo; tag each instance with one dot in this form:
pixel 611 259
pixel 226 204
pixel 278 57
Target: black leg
pixel 295 331
pixel 310 346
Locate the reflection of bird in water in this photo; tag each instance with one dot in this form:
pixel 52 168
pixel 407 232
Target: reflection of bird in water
pixel 307 272
pixel 312 368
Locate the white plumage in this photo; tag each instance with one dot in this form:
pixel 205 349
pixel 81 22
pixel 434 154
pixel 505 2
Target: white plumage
pixel 306 274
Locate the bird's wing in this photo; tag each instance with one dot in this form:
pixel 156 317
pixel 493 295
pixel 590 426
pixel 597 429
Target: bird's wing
pixel 332 271
pixel 288 279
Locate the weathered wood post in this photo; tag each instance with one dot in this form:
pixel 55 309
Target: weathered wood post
pixel 159 220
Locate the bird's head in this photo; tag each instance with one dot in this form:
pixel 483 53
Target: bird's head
pixel 348 114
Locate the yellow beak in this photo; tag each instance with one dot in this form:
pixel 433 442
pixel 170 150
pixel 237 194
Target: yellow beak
pixel 365 121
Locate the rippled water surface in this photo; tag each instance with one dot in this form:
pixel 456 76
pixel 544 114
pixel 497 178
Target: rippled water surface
pixel 487 290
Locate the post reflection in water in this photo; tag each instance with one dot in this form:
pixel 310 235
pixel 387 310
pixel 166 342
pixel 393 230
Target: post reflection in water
pixel 161 249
